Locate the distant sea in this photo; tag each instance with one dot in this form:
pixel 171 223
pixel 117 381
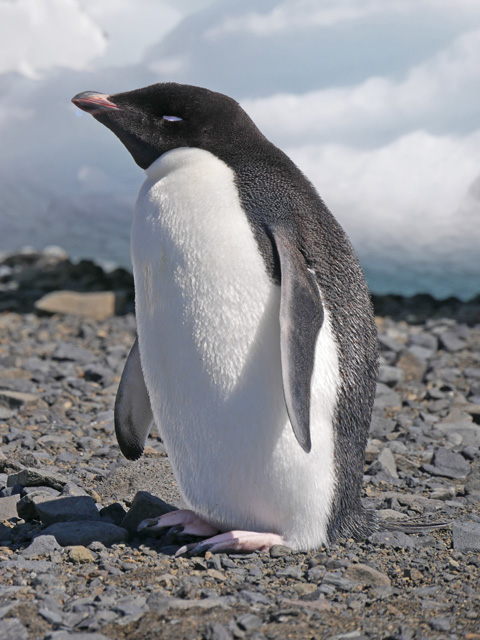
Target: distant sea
pixel 98 227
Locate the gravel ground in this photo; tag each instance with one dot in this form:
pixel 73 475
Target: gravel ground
pixel 71 564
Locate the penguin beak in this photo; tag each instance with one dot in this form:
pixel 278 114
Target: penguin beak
pixel 94 102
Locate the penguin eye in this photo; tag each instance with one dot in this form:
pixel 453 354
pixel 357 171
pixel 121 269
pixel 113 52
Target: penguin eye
pixel 172 118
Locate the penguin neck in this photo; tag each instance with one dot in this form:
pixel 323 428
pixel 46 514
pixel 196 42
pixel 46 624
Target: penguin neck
pixel 173 159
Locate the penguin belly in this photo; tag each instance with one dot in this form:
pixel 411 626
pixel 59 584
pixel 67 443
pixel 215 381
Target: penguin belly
pixel 209 339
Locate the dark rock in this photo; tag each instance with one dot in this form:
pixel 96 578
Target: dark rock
pixel 114 513
pixel 84 533
pixel 144 506
pixel 27 506
pixel 66 509
pixel 35 477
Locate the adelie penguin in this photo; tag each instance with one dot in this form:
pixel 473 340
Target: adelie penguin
pixel 256 354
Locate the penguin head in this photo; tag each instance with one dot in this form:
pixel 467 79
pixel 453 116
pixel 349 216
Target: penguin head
pixel 165 116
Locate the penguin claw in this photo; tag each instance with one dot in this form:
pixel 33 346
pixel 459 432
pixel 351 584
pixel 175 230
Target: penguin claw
pixel 181 521
pixel 233 541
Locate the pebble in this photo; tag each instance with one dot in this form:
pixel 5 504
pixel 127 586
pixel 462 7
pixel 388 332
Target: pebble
pixel 96 577
pixel 79 554
pixel 466 535
pixel 367 576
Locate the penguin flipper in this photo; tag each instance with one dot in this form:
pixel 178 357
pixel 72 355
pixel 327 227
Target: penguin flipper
pixel 133 412
pixel 301 318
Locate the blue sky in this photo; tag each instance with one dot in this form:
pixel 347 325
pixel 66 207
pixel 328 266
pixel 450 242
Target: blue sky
pixel 376 100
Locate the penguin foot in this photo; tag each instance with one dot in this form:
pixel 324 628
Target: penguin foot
pixel 243 541
pixel 182 521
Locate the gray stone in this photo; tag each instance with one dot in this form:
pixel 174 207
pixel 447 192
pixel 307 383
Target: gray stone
pixel 412 365
pixel 440 624
pixel 29 477
pixel 469 431
pixel 51 616
pixel 395 539
pixel 390 343
pixel 466 536
pixel 72 489
pixel 450 341
pixel 85 532
pixel 381 427
pixel 390 375
pixel 8 507
pixel 67 508
pixel 367 576
pixel 42 545
pixel 447 464
pixel 384 462
pixel 216 631
pixel 337 581
pixel 144 506
pixel 12 629
pixel 386 397
pixel 17 399
pixel 473 479
pixel 290 572
pixel 97 305
pixel 72 353
pixel 249 621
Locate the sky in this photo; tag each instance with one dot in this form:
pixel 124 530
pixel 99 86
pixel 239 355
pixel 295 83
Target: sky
pixel 377 101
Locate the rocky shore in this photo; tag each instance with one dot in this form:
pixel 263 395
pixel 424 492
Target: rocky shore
pixel 71 562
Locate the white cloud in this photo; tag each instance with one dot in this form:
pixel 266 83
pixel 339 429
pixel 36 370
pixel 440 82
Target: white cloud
pixel 41 34
pixel 447 83
pixel 409 205
pixel 303 14
pixel 131 28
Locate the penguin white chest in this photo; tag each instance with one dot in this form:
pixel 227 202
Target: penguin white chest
pixel 201 286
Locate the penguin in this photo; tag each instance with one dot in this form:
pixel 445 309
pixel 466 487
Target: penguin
pixel 256 354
